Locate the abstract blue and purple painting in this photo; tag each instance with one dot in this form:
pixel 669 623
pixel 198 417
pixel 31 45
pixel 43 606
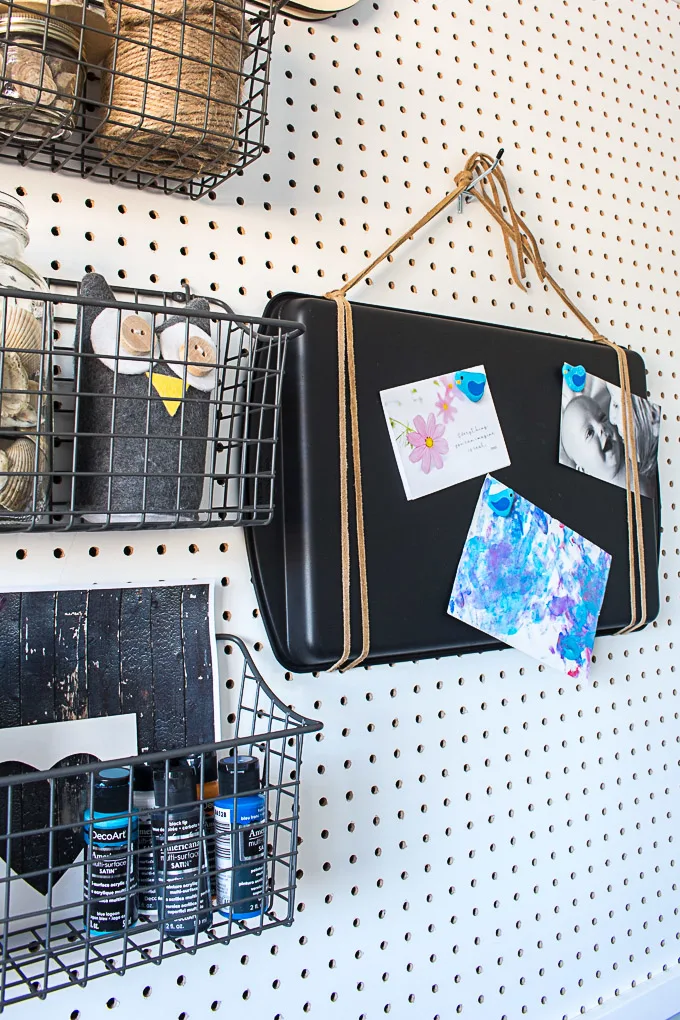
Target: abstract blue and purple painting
pixel 531 582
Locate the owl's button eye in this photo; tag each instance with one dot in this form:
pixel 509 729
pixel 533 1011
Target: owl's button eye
pixel 200 357
pixel 135 335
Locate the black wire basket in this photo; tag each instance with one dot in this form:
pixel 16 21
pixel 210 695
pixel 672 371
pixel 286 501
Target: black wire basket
pixel 103 425
pixel 169 94
pixel 231 881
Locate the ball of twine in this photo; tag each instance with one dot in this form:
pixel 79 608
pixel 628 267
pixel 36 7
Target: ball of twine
pixel 175 85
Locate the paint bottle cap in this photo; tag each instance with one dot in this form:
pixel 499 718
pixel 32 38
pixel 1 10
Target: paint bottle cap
pixel 239 774
pixel 181 785
pixel 111 791
pixel 143 778
pixel 209 759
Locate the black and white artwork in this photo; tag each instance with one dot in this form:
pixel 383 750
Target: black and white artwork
pixel 87 675
pixel 591 432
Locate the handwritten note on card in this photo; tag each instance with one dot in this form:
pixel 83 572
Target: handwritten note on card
pixel 444 430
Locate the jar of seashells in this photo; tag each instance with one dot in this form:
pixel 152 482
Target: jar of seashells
pixel 41 75
pixel 25 373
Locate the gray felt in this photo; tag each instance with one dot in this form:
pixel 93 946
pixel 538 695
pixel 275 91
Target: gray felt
pixel 127 435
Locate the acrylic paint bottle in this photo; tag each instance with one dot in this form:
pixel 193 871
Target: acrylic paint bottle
pixel 183 899
pixel 144 801
pixel 240 837
pixel 110 854
pixel 207 793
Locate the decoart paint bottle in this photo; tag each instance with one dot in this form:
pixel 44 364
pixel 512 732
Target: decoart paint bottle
pixel 110 885
pixel 181 873
pixel 240 833
pixel 207 794
pixel 144 801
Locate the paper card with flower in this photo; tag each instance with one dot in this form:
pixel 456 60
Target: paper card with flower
pixel 444 430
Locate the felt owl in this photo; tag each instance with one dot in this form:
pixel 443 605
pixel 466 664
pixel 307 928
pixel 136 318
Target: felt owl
pixel 144 411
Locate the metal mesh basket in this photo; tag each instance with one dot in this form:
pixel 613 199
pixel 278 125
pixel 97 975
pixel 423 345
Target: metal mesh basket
pixel 112 441
pixel 169 94
pixel 46 916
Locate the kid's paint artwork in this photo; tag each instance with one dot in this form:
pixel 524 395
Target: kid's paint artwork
pixel 444 430
pixel 531 582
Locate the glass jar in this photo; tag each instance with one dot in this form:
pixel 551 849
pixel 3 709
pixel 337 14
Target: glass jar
pixel 25 375
pixel 41 77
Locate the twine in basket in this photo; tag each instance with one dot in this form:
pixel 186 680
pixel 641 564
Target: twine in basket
pixel 173 85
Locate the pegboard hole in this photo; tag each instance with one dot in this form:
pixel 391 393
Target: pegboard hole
pixel 112 1003
pixel 93 550
pixel 21 554
pixel 146 992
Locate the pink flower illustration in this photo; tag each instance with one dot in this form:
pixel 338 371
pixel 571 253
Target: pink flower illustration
pixel 445 408
pixel 448 384
pixel 428 445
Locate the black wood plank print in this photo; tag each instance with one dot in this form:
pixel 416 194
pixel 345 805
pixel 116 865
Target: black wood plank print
pixel 10 643
pixel 136 685
pixel 70 655
pixel 168 666
pixel 85 654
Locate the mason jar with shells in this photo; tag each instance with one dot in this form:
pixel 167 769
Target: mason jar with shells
pixel 41 68
pixel 25 374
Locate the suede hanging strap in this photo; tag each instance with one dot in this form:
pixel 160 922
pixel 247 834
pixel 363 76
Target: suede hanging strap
pixel 483 179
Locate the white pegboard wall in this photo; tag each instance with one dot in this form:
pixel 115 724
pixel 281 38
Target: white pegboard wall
pixel 480 836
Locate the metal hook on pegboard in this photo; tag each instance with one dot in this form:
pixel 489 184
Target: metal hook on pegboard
pixel 466 193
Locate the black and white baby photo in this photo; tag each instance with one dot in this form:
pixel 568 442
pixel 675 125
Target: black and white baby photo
pixel 591 434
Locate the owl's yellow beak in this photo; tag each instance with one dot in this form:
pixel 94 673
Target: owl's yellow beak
pixel 170 388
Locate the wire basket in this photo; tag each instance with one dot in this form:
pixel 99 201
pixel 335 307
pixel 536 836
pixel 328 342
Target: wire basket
pixel 168 94
pixel 46 914
pixel 115 442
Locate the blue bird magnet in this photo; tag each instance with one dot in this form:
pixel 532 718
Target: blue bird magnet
pixel 575 377
pixel 472 384
pixel 501 500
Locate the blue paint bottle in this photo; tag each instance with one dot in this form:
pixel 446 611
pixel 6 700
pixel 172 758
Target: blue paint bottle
pixel 110 835
pixel 240 838
pixel 181 873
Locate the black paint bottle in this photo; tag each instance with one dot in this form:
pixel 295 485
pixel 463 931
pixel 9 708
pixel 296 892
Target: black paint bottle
pixel 110 886
pixel 181 873
pixel 144 802
pixel 207 789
